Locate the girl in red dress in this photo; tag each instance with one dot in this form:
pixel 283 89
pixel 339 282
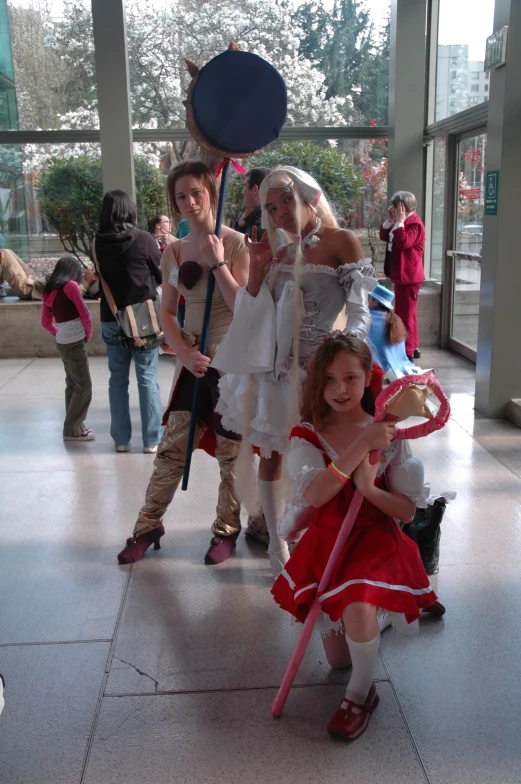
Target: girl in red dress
pixel 379 567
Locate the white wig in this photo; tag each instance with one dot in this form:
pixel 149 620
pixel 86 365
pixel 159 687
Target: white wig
pixel 306 190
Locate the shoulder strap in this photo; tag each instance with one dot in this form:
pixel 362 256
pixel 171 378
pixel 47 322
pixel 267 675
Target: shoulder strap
pixel 108 294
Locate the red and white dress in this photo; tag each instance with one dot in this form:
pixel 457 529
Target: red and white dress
pixel 379 564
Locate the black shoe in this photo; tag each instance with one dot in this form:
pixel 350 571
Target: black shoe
pixel 425 531
pixel 410 357
pixel 417 353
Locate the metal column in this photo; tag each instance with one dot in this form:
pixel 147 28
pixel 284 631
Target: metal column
pixel 407 96
pixel 498 365
pixel 110 40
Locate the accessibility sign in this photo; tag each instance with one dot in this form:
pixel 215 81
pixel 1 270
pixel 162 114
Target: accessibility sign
pixel 491 193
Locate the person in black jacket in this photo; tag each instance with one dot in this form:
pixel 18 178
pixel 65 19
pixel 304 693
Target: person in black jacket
pixel 250 194
pixel 128 260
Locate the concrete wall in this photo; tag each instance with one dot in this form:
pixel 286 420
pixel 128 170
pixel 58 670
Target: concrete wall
pixel 429 315
pixel 22 336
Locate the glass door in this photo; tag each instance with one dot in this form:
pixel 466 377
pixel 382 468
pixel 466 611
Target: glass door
pixel 464 256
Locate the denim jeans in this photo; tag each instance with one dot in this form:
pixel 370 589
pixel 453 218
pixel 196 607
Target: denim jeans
pixel 149 397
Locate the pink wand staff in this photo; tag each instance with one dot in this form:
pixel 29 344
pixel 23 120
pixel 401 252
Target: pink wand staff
pixel 392 403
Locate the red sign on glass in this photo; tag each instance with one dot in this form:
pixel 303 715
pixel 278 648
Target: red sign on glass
pixel 471 194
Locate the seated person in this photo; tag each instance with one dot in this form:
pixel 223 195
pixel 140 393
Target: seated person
pixel 387 333
pixel 24 281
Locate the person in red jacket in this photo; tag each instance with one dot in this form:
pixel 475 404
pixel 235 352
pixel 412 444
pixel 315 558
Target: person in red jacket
pixel 404 234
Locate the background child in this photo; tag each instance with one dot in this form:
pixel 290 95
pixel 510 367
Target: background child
pixel 65 315
pixel 379 566
pixel 387 334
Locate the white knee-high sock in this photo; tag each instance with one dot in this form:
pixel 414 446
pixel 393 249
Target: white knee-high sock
pixel 270 494
pixel 363 659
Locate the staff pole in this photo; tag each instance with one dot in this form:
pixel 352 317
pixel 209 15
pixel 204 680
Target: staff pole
pixel 204 334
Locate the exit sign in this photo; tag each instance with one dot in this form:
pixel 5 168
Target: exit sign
pixel 496 51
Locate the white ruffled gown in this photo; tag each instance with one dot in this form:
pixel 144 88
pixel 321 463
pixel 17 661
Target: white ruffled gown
pixel 257 353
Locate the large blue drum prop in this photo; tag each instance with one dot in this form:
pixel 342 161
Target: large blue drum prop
pixel 236 105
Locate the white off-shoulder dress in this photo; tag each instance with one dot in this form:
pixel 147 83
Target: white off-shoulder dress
pixel 257 352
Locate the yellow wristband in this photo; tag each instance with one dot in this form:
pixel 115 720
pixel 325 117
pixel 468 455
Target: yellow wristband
pixel 338 473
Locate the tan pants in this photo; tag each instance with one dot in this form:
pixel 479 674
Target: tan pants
pixel 20 277
pixel 168 472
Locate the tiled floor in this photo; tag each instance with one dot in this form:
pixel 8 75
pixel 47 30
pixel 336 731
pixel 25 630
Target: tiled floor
pixel 165 671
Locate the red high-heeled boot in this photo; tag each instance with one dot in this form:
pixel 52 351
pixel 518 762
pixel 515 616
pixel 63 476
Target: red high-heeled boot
pixel 138 545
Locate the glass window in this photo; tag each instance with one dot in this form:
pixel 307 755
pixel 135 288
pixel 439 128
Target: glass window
pixel 464 26
pixel 35 220
pixel 353 173
pixel 438 205
pixel 6 61
pixel 486 88
pixel 8 113
pixel 474 88
pixel 471 202
pixel 53 58
pixel 469 239
pixel 333 57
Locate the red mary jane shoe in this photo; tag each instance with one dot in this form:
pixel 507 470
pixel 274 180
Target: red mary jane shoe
pixel 436 608
pixel 349 724
pixel 138 545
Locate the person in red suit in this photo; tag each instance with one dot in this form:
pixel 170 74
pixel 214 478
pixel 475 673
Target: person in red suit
pixel 404 234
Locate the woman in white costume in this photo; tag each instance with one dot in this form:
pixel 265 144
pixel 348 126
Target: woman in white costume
pixel 305 273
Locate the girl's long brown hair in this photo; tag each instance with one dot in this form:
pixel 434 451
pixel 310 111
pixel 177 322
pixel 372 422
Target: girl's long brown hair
pixel 395 331
pixel 197 169
pixel 313 407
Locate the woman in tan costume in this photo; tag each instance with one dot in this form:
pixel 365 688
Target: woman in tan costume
pixel 185 266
